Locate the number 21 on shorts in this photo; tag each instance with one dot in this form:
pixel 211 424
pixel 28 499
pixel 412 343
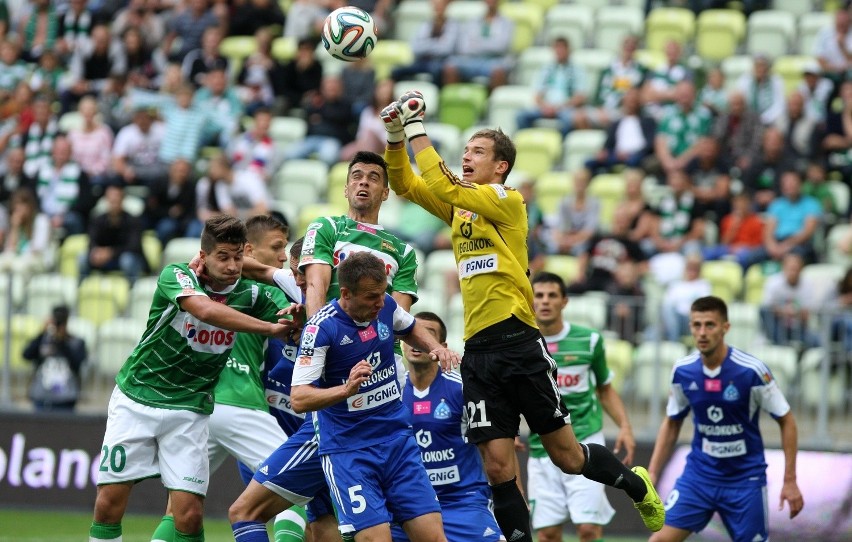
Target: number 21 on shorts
pixel 476 415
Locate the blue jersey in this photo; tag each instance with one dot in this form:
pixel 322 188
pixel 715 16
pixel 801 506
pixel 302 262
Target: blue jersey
pixel 727 448
pixel 281 357
pixel 332 343
pixel 437 417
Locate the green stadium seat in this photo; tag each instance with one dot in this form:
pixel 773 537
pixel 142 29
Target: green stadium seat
pixel 47 290
pixel 304 171
pixel 527 19
pixel 448 138
pixel 285 131
pixel 102 297
pixel 506 102
pixel 181 250
pixel 725 278
pixel 283 48
pixel 770 32
pixel 69 254
pixel 409 16
pixel 594 61
pixel 581 145
pixel 668 23
pixel 388 54
pixel 648 384
pixel 575 22
pixel 538 150
pixel 719 33
pixel 610 189
pixel 619 359
pixel 613 25
pixel 809 26
pixel 813 392
pixel 781 360
pixel 565 266
pixel 530 63
pixel 551 188
pixel 586 310
pixel 141 295
pixel 465 10
pixel 462 104
pixel 735 66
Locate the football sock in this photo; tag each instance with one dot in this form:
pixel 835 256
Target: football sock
pixel 511 512
pixel 165 531
pixel 105 532
pixel 602 466
pixel 249 531
pixel 290 525
pixel 183 537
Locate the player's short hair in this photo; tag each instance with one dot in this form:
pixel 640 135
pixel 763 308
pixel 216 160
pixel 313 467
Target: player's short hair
pixel 432 317
pixel 544 276
pixel 222 229
pixel 710 303
pixel 258 225
pixel 296 248
pixel 60 314
pixel 367 157
pixel 357 266
pixel 504 149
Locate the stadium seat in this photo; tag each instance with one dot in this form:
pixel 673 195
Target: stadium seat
pixel 71 120
pixel 566 267
pixel 116 340
pixel 47 290
pixel 573 21
pixel 665 24
pixel 527 19
pixel 613 25
pixel 813 392
pixel 283 48
pixel 237 48
pixel 651 58
pixel 132 205
pixel 550 189
pixel 431 93
pixel 795 7
pixel 754 279
pixel 296 191
pixel 791 69
pixel 809 26
pixel 781 360
pixel 840 193
pixel 833 252
pixel 462 104
pixel 439 264
pixel 586 310
pixel 506 102
pixel 610 189
pixel 530 63
pixel 285 131
pixel 24 328
pixel 152 248
pixel 447 138
pixel 770 32
pixel 309 213
pixel 719 33
pixel 823 278
pixel 735 66
pixel 581 145
pixel 69 254
pixel 304 171
pixel 389 54
pixel 141 295
pixel 180 250
pixel 543 4
pixel 594 61
pixel 465 10
pixel 652 382
pixel 409 16
pixel 538 150
pixel 619 359
pixel 102 297
pixel 85 330
pixel 745 325
pixel 725 278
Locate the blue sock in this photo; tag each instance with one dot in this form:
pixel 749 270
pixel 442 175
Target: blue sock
pixel 249 531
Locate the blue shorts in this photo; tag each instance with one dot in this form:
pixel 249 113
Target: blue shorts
pixel 464 520
pixel 744 511
pixel 294 471
pixel 380 484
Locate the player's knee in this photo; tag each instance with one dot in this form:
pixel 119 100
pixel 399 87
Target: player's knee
pixel 238 511
pixel 190 520
pixel 549 535
pixel 569 460
pixel 498 471
pixel 587 532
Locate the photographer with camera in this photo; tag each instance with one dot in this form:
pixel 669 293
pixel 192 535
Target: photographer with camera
pixel 58 358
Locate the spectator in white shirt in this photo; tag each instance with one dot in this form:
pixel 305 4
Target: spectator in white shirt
pixel 483 50
pixel 433 43
pixel 135 153
pixel 833 44
pixel 763 91
pixel 679 297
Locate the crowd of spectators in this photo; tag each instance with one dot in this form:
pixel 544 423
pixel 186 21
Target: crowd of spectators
pixel 163 118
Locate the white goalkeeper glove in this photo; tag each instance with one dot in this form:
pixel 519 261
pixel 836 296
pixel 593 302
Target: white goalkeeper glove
pixel 393 123
pixel 412 109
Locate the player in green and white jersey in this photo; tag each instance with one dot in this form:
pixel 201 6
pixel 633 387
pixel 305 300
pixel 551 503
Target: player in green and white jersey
pixel 158 414
pixel 241 425
pixel 584 383
pixel 326 243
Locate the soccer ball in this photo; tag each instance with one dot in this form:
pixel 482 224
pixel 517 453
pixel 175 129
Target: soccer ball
pixel 349 33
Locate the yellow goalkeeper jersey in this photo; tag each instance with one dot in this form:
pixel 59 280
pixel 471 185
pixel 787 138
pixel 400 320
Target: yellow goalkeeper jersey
pixel 489 225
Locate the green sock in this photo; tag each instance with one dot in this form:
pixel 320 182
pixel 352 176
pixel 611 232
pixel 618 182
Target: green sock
pixel 183 537
pixel 104 531
pixel 165 531
pixel 290 525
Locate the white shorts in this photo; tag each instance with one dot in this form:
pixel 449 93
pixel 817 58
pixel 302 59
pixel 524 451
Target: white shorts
pixel 249 435
pixel 556 497
pixel 144 442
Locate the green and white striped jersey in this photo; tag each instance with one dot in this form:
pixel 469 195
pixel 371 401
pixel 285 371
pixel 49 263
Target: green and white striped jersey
pixel 179 358
pixel 580 367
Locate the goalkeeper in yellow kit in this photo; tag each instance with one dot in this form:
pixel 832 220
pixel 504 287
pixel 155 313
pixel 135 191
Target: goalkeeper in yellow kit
pixel 506 369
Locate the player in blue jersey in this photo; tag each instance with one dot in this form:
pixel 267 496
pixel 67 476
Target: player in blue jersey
pixel 726 471
pixel 435 405
pixel 346 373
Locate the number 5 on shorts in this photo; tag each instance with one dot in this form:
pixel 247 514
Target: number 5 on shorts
pixel 117 459
pixel 359 503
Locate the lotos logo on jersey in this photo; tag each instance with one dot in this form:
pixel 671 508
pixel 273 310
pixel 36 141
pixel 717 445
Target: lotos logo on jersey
pixel 478 265
pixel 573 379
pixel 374 398
pixel 202 337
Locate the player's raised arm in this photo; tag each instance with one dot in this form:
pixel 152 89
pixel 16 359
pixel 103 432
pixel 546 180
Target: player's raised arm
pixel 420 338
pixel 223 316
